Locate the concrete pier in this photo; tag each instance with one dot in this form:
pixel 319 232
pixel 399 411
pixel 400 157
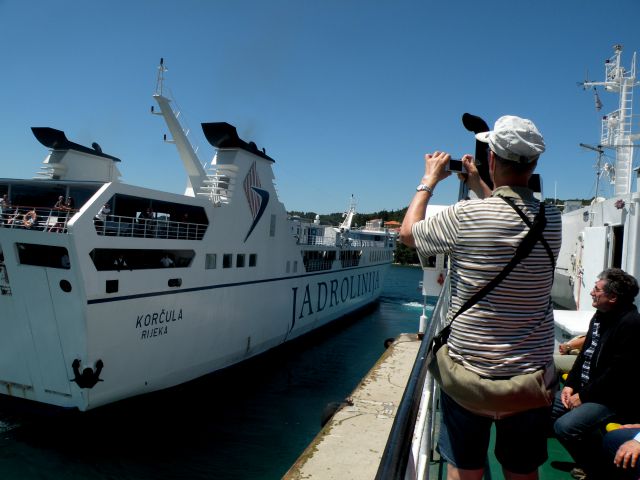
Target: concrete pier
pixel 350 445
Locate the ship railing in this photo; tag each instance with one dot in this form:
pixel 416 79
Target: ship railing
pixel 410 449
pixel 318 240
pixel 344 242
pixel 357 243
pixel 374 228
pixel 316 265
pixel 135 227
pixel 45 219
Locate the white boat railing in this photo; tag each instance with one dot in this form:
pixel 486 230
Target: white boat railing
pixel 53 220
pixel 341 241
pixel 318 240
pixel 356 242
pixel 123 226
pixel 36 218
pixel 409 452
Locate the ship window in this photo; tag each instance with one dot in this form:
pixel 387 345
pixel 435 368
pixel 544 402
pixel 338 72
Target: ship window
pixel 227 260
pixel 111 286
pixel 139 259
pixel 65 286
pixel 295 266
pixel 210 261
pixel 350 258
pixel 174 282
pixel 240 260
pixel 288 266
pixel 315 260
pixel 272 226
pixel 43 255
pixel 46 195
pixel 253 259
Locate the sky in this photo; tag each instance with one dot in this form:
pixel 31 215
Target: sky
pixel 346 95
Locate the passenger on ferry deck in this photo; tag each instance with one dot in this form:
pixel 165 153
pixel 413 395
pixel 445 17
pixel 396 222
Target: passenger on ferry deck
pixel 183 227
pixel 14 218
pixel 147 220
pixel 102 215
pixel 166 261
pixel 622 449
pixel 70 204
pixel 602 384
pixel 4 208
pixel 120 263
pixel 501 336
pixel 59 221
pixel 59 205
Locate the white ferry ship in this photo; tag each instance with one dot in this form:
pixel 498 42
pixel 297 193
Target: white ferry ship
pixel 99 304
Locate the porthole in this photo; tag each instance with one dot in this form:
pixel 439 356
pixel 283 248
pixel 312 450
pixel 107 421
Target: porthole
pixel 65 286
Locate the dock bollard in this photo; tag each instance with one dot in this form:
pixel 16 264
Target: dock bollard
pixel 331 409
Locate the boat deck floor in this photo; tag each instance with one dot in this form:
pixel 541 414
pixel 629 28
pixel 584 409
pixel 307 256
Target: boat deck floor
pixel 557 467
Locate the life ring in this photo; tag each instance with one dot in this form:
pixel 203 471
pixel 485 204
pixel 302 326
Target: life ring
pixel 29 218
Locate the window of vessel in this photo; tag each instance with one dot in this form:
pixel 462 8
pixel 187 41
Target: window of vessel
pixel 240 260
pixel 253 259
pixel 227 260
pixel 210 261
pixel 43 255
pixel 139 259
pixel 272 226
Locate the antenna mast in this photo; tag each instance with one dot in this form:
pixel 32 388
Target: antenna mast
pixel 617 125
pixel 189 158
pixel 598 166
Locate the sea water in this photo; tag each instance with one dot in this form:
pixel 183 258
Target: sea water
pixel 248 422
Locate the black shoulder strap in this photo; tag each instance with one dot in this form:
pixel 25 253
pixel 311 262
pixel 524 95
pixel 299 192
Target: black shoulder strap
pixel 526 220
pixel 523 250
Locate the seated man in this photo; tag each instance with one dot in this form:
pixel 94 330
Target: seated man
pixel 599 385
pixel 622 448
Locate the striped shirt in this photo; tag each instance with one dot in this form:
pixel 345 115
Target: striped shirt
pixel 589 351
pixel 510 330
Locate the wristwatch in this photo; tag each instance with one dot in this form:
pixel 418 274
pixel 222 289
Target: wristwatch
pixel 424 188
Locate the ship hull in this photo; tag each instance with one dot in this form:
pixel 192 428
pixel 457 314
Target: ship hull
pixel 154 338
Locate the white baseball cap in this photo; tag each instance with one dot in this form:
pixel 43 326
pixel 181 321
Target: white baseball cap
pixel 514 138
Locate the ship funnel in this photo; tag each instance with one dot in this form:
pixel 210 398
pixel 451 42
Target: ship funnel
pixel 71 161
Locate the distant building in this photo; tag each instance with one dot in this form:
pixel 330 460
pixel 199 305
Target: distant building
pixel 392 225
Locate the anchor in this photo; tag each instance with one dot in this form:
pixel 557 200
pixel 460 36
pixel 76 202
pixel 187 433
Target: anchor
pixel 88 378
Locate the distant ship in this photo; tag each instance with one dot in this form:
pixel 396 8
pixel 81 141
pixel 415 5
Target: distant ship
pixel 110 290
